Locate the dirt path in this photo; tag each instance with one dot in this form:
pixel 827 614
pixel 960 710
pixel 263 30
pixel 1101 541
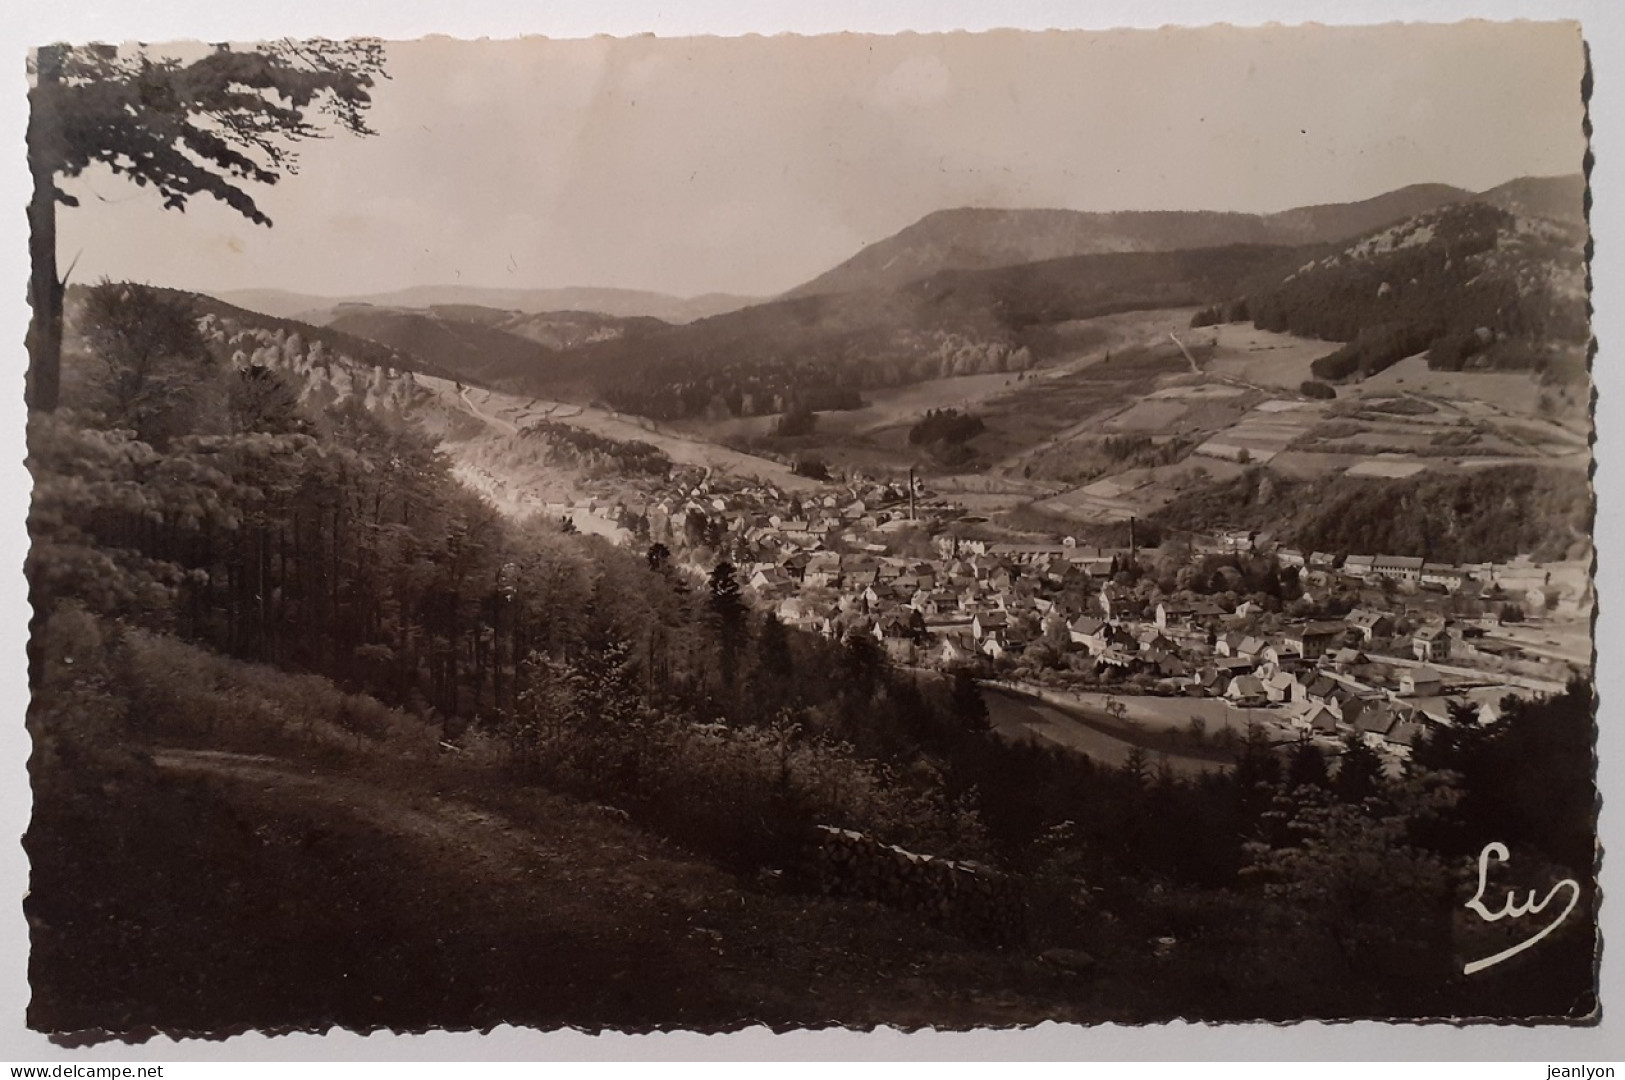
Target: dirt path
pixel 465 901
pixel 504 426
pixel 578 871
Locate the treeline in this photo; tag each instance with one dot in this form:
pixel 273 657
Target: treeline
pixel 595 454
pixel 1231 311
pixel 333 340
pixel 1478 515
pixel 823 376
pixel 947 426
pixel 821 350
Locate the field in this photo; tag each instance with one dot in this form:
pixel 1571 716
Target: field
pixel 1244 410
pixel 1260 357
pixel 1201 404
pixel 1138 492
pixel 1506 391
pixel 1387 466
pixel 1262 433
pixel 1021 717
pixel 1151 414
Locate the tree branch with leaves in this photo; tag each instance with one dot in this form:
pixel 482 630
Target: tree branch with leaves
pixel 206 126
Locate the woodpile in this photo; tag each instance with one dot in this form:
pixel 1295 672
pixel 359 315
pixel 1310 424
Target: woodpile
pixel 963 897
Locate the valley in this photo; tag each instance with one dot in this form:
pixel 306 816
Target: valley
pixel 987 548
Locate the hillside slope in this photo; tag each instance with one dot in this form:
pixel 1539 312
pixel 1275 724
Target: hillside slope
pixel 973 239
pixel 473 343
pixel 820 351
pixel 1559 197
pixel 1488 287
pixel 1489 514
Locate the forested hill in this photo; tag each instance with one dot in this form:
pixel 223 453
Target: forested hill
pixel 821 351
pixel 1483 515
pixel 979 239
pixel 335 341
pixel 1561 198
pixel 1484 285
pixel 483 345
pixel 1493 287
pixel 231 364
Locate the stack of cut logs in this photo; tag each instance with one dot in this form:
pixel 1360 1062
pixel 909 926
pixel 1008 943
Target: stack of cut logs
pixel 959 896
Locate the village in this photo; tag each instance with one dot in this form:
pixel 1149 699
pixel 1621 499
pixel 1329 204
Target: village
pixel 1304 645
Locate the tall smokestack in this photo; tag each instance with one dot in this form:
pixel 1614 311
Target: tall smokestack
pixel 1133 548
pixel 911 493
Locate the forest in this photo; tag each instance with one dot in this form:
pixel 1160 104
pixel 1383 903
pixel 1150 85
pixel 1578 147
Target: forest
pixel 596 455
pixel 1487 515
pixel 822 350
pixel 1447 282
pixel 220 562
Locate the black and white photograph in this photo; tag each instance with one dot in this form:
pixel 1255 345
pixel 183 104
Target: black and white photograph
pixel 925 530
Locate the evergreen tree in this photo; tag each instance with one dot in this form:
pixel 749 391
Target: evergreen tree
pixel 1358 771
pixel 966 704
pixel 1306 766
pixel 728 616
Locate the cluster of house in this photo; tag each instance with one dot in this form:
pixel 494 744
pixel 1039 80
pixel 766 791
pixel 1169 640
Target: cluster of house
pixel 948 610
pixel 826 565
pixel 756 522
pixel 1531 582
pixel 984 607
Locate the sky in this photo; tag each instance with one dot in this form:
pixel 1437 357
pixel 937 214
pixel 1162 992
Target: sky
pixel 749 165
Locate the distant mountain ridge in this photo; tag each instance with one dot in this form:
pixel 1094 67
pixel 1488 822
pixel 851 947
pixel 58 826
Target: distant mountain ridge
pixel 983 239
pixel 482 344
pixel 620 303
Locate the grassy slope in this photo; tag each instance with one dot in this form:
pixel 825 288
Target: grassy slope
pixel 256 892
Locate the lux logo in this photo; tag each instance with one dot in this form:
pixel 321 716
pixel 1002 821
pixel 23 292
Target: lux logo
pixel 1512 909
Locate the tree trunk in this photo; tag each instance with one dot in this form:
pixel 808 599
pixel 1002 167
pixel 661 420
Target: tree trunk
pixel 44 290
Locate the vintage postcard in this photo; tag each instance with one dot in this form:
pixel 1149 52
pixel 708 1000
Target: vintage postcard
pixel 944 531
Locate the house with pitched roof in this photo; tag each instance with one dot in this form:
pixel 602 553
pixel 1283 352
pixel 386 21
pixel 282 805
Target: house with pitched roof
pixel 1313 639
pixel 1280 686
pixel 1398 567
pixel 988 624
pixel 1431 643
pixel 1447 577
pixel 1420 682
pixel 1370 624
pixel 1247 690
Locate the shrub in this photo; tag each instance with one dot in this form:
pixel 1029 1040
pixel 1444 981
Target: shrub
pixel 176 689
pixel 812 468
pixel 948 426
pixel 797 421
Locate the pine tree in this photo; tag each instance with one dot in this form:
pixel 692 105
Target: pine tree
pixel 728 616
